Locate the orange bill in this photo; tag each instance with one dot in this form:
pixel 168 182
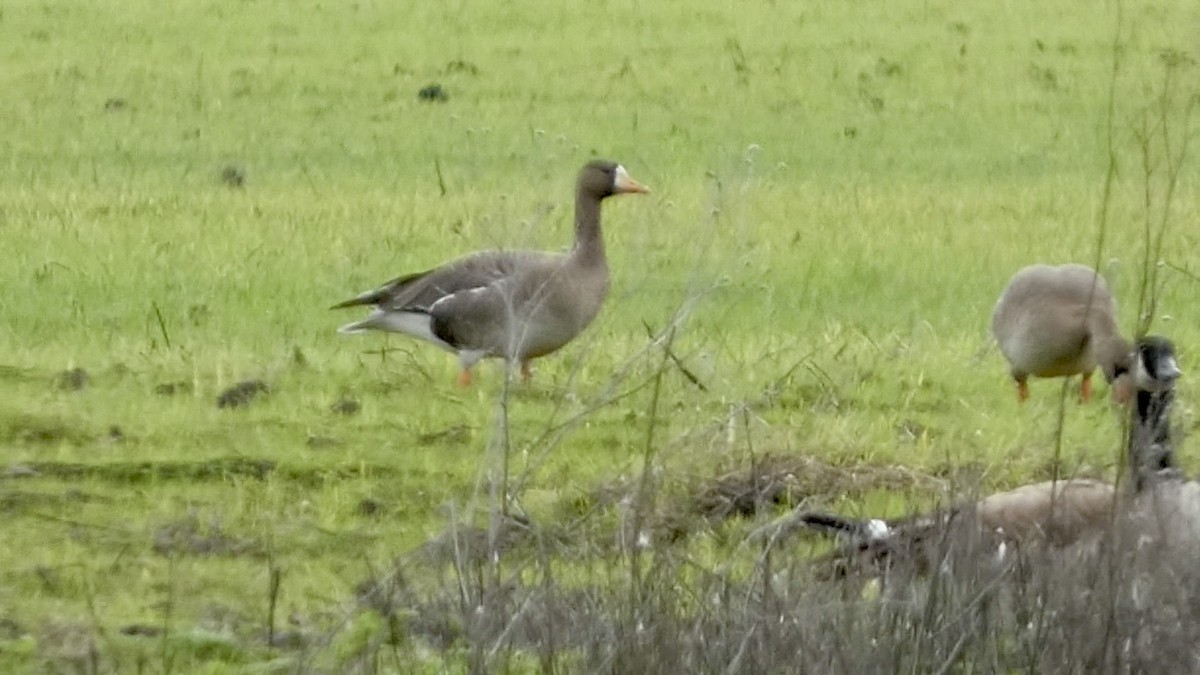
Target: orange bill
pixel 624 183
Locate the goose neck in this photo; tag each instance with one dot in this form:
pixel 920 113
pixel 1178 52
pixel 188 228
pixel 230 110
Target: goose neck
pixel 589 243
pixel 1151 452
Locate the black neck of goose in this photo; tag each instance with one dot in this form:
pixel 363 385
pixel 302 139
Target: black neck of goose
pixel 1150 449
pixel 589 244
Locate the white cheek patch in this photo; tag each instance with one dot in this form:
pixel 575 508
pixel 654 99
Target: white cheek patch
pixel 1165 373
pixel 1140 377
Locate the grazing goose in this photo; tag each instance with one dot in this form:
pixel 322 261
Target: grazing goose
pixel 1058 322
pixel 1058 513
pixel 516 305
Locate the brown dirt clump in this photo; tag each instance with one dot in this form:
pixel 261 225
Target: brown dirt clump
pixel 75 379
pixel 346 405
pixel 242 393
pixel 173 388
pixel 233 175
pixel 785 480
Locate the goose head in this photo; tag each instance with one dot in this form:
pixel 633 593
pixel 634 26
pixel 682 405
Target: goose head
pixel 1149 367
pixel 601 178
pixel 1155 368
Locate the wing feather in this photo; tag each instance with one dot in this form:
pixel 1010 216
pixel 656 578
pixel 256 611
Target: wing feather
pixel 419 291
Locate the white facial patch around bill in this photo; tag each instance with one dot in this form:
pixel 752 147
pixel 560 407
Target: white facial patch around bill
pixel 620 178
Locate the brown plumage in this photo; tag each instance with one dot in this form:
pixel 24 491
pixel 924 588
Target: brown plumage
pixel 1063 512
pixel 1053 511
pixel 1159 503
pixel 1058 322
pixel 516 305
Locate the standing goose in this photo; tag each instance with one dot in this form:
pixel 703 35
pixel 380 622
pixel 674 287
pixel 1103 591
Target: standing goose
pixel 516 305
pixel 1058 513
pixel 1058 322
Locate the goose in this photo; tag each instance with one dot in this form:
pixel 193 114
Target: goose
pixel 1057 513
pixel 1060 321
pixel 515 305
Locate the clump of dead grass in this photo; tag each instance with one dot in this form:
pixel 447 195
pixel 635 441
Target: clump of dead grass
pixel 776 480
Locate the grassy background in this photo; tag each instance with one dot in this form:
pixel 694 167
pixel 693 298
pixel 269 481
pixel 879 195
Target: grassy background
pixel 841 191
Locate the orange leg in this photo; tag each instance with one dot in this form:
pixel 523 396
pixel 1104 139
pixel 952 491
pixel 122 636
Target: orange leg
pixel 1122 389
pixel 526 373
pixel 1085 388
pixel 1022 391
pixel 464 379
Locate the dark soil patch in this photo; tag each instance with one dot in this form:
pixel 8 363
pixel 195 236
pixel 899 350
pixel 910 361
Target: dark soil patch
pixel 371 508
pixel 173 388
pixel 75 379
pixel 346 405
pixel 433 93
pixel 141 630
pixel 242 393
pixel 233 175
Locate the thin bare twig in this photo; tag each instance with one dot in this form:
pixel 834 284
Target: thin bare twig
pixel 691 377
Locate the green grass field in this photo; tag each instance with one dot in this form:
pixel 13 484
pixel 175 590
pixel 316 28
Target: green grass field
pixel 840 192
